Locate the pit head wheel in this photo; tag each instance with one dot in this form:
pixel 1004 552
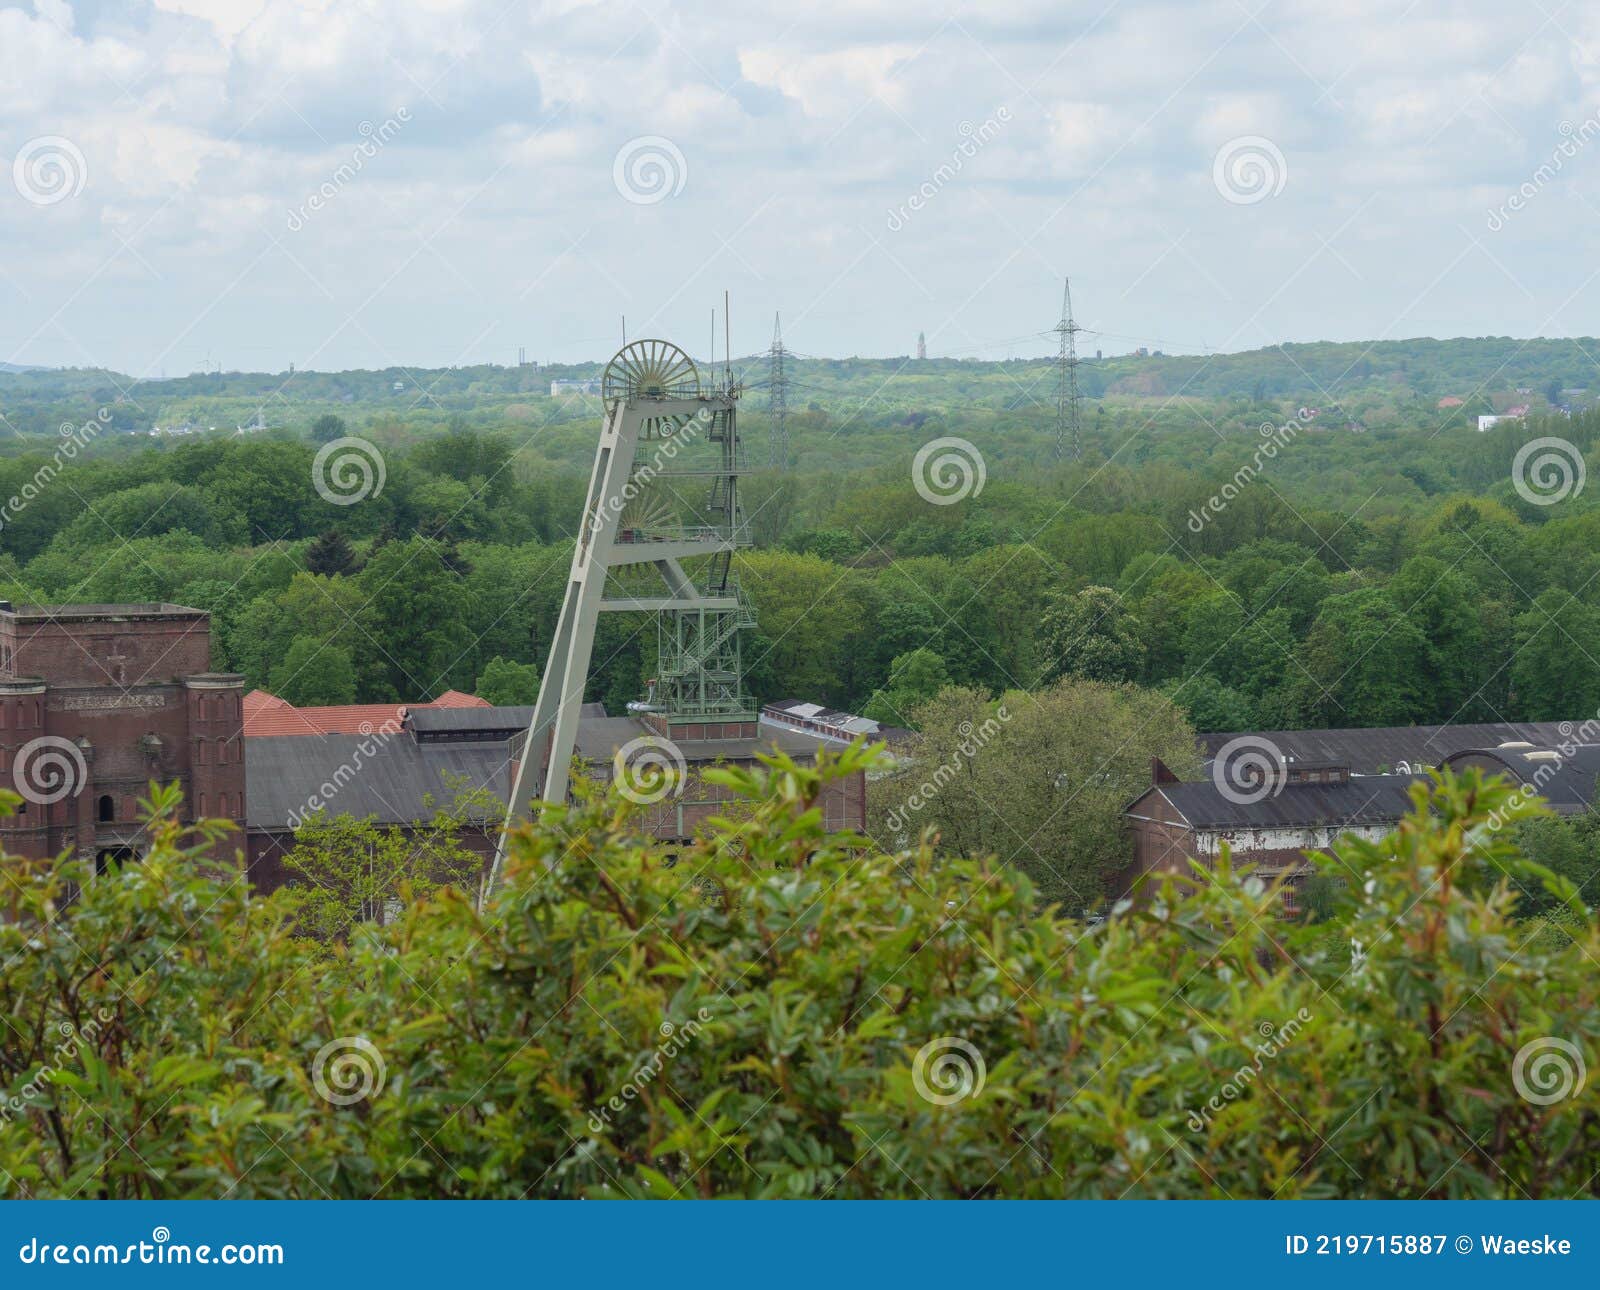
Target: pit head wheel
pixel 650 369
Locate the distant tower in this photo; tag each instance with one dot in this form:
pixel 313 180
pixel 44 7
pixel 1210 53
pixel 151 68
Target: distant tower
pixel 778 398
pixel 1069 428
pixel 922 345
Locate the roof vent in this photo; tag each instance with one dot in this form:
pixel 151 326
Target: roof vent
pixel 1542 754
pixel 1515 743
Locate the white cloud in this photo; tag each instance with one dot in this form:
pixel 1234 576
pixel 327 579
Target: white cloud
pixel 203 122
pixel 833 84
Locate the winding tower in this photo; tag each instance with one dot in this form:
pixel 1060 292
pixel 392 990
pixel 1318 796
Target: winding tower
pixel 663 497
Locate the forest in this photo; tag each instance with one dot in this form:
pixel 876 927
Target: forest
pixel 1380 566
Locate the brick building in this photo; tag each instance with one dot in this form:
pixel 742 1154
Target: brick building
pixel 97 701
pixel 412 764
pixel 1270 825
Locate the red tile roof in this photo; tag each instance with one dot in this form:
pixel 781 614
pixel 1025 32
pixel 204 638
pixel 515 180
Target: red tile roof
pixel 455 699
pixel 267 714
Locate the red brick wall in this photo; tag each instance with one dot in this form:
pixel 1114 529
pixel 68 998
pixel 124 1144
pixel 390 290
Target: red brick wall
pixel 112 712
pixel 1162 842
pixel 110 649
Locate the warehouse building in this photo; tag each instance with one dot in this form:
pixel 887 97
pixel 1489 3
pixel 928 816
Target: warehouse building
pixel 1270 827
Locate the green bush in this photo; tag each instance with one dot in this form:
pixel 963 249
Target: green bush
pixel 780 1012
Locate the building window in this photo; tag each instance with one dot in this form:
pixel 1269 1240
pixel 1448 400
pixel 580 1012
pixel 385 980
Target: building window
pixel 202 811
pixel 108 809
pixel 222 752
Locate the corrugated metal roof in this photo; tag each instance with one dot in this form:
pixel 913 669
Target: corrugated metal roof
pixel 1565 777
pixel 470 720
pixel 599 740
pixel 1375 750
pixel 395 780
pixel 1371 799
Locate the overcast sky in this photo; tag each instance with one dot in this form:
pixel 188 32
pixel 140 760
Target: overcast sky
pixel 360 184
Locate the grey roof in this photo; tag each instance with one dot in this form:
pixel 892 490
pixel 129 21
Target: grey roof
pixel 1367 799
pixel 599 739
pixel 478 721
pixel 392 779
pixel 1565 776
pixel 130 609
pixel 844 726
pixel 1377 749
pixel 287 777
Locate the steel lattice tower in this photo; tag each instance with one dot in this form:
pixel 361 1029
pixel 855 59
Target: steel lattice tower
pixel 778 397
pixel 1069 426
pixel 655 404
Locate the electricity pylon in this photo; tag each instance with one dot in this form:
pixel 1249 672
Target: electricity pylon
pixel 1069 427
pixel 778 397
